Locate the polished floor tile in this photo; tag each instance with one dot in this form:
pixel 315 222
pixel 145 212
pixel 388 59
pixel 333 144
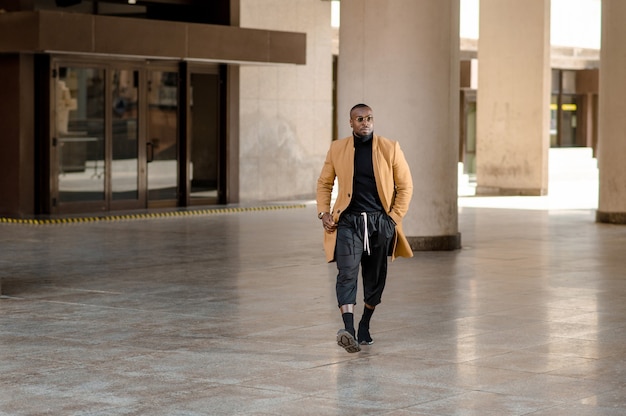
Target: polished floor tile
pixel 235 314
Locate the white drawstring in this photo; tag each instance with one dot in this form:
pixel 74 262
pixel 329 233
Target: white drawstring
pixel 366 238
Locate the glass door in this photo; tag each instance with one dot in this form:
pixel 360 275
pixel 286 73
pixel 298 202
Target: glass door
pixel 126 190
pixel 204 138
pixel 162 138
pixel 78 150
pixel 96 135
pixel 116 130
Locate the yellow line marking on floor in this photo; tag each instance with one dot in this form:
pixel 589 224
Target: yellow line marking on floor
pixel 147 215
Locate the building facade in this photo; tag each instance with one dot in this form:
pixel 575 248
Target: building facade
pixel 117 106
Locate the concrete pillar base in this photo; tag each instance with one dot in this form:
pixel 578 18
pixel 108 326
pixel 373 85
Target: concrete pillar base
pixel 495 191
pixel 611 217
pixel 437 243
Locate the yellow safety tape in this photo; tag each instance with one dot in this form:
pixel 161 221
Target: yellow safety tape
pixel 148 215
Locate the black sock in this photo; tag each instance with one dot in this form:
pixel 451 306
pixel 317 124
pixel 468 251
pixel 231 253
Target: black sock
pixel 367 315
pixel 348 321
pixel 364 325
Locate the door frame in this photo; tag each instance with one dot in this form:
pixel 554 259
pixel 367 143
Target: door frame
pixel 49 202
pixel 187 69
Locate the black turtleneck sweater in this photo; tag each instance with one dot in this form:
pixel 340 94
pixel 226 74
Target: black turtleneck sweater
pixel 364 193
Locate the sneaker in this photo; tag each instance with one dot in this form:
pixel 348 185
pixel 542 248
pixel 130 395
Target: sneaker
pixel 364 337
pixel 364 341
pixel 346 340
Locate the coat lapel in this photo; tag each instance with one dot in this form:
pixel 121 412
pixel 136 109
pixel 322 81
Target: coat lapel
pixel 378 174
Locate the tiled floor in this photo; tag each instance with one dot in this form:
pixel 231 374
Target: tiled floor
pixel 234 314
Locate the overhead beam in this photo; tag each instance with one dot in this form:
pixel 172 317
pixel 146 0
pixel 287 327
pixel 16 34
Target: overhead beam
pixel 52 31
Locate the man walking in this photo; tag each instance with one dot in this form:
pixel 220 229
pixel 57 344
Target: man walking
pixel 365 223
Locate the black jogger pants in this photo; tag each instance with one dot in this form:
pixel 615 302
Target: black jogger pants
pixel 363 239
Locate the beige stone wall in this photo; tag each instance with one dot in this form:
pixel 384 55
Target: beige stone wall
pixel 285 111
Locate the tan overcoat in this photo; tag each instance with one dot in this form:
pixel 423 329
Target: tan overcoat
pixel 393 181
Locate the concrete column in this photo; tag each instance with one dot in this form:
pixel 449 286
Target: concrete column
pixel 513 115
pixel 401 57
pixel 611 120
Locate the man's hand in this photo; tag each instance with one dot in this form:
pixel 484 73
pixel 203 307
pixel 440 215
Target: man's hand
pixel 328 223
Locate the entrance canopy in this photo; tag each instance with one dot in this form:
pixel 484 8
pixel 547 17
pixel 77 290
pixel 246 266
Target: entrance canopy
pixel 62 32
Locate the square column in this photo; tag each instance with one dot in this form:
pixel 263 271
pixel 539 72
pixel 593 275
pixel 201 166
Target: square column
pixel 513 99
pixel 611 120
pixel 401 57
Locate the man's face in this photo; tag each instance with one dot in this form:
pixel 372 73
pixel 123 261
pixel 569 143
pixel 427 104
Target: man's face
pixel 362 121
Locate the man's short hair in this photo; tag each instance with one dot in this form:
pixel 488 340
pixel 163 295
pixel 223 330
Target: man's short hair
pixel 361 105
